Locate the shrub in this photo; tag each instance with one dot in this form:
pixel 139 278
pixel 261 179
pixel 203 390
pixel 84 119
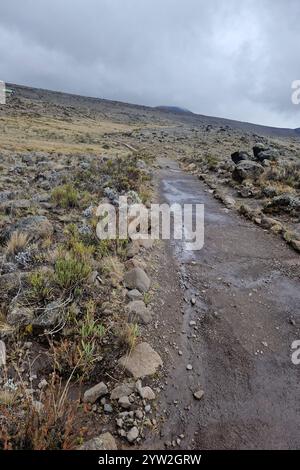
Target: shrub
pixel 39 288
pixel 47 427
pixel 70 271
pixel 65 196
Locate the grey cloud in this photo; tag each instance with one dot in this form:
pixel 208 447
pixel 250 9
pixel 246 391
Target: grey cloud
pixel 231 59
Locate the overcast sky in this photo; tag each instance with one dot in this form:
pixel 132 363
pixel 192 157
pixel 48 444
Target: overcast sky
pixel 230 58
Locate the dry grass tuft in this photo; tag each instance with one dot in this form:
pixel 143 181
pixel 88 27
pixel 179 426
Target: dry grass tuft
pixel 16 243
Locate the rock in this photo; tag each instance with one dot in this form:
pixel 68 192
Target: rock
pixel 92 394
pixel 133 294
pixel 133 249
pixel 10 283
pixel 268 222
pixel 285 203
pixel 239 156
pixel 189 367
pixel 133 434
pixel 267 155
pixel 247 170
pixel 134 263
pixel 142 361
pixel 124 403
pixel 259 147
pixel 107 408
pixel 229 201
pixel 139 414
pixel 198 394
pixel 51 316
pixel 296 245
pixel 136 278
pixel 20 316
pixel 36 227
pixel 123 390
pixel 269 191
pixel 139 313
pixel 147 393
pixel 104 442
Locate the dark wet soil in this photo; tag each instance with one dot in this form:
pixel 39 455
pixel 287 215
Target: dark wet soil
pixel 246 285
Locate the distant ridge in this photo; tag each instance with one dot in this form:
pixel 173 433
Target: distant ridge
pixel 138 112
pixel 174 109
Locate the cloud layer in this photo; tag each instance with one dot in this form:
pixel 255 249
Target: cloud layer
pixel 229 59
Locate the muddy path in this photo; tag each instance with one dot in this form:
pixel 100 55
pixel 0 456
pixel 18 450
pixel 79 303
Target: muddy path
pixel 245 284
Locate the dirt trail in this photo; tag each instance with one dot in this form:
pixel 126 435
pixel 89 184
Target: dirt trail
pixel 246 285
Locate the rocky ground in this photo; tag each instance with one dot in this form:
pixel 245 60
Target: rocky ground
pixel 95 332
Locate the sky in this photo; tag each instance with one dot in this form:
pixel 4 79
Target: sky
pixel 234 59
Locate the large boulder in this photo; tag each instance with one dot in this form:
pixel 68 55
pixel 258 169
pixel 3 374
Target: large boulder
pixel 239 156
pixel 36 227
pixel 269 155
pixel 136 278
pixel 142 361
pixel 259 147
pixel 247 169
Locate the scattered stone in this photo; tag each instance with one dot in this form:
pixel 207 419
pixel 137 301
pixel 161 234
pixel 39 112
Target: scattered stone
pixel 147 393
pixel 139 414
pixel 107 408
pixel 124 403
pixel 92 394
pixel 139 313
pixel 104 442
pixel 136 278
pixel 142 361
pixel 268 222
pixel 198 395
pixel 133 249
pixel 134 295
pixel 123 390
pixel 133 434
